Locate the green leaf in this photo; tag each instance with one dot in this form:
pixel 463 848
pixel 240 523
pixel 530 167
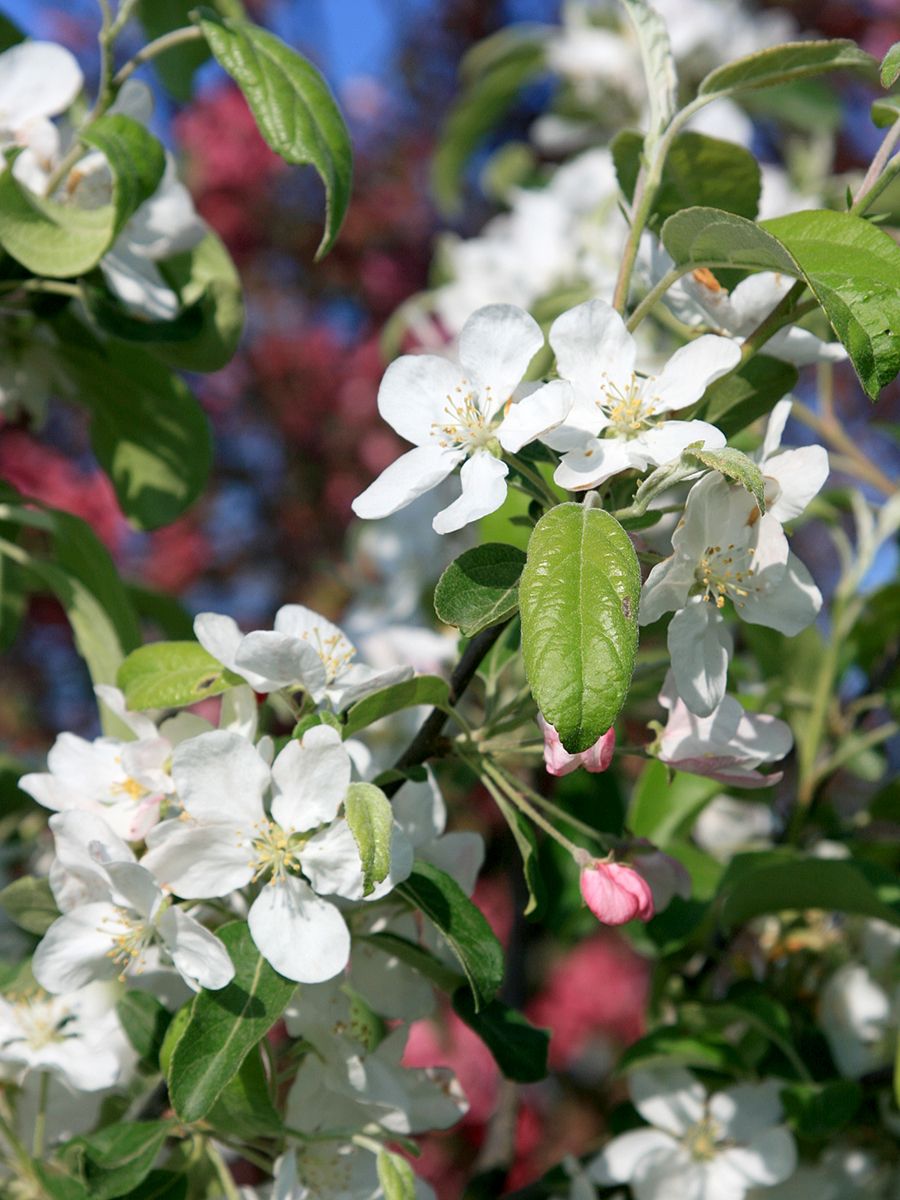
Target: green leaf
pixel 59 241
pixel 734 465
pixel 820 1110
pixel 523 835
pixel 519 1048
pixel 116 1159
pixel 371 819
pixel 161 1185
pixel 225 1025
pixel 890 66
pixel 494 73
pixel 292 105
pixel 205 277
pixel 708 237
pixel 853 269
pixel 244 1108
pixel 111 316
pixel 410 693
pixel 885 111
pixel 13 601
pixel 145 1021
pixel 734 402
pixel 175 68
pixel 658 62
pixel 467 932
pixel 779 64
pixel 660 810
pixel 480 588
pixel 171 675
pixel 168 614
pixel 156 448
pixel 30 904
pixel 578 599
pixel 10 33
pixel 395 1176
pixel 771 882
pixel 698 170
pixel 668 1046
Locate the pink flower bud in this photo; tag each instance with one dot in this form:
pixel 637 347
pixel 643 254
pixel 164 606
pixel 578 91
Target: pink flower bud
pixel 616 893
pixel 559 761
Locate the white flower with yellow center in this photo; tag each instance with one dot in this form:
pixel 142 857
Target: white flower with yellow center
pixel 116 918
pixel 701 1147
pixel 296 850
pixel 464 414
pixel 620 418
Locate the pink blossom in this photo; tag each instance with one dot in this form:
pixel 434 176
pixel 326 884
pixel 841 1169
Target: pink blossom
pixel 559 761
pixel 616 893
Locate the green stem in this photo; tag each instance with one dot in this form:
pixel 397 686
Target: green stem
pixel 850 749
pixel 22 1158
pixel 168 41
pixel 554 810
pixel 879 163
pixel 785 312
pixel 40 1120
pixel 657 292
pixel 535 478
pixel 226 1179
pixel 488 772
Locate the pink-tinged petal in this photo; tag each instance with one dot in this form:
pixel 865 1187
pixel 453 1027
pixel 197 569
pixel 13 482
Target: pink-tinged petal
pixel 199 956
pixel 558 761
pixel 219 776
pixel 666 876
pixel 496 345
pixel 597 461
pixel 414 393
pixel 483 480
pixel 700 646
pixel 413 474
pixel 535 415
pixel 691 370
pixel 616 894
pixel 280 661
pixel 593 350
pixel 303 937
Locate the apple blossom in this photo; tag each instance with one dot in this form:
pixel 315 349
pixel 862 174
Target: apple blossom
pixel 793 477
pixel 620 420
pixel 859 1017
pixel 720 1146
pixel 38 80
pixel 558 761
pixel 728 826
pixel 616 893
pixel 464 414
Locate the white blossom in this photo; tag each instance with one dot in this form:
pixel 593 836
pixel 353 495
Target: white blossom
pixel 728 825
pixel 859 1017
pixel 38 80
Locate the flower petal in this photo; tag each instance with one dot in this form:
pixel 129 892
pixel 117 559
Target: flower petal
pixel 198 861
pixel 37 79
pixel 790 605
pixel 414 392
pixel 199 956
pixel 535 415
pixel 496 345
pixel 409 477
pixel 691 370
pixel 483 480
pixel 665 442
pixel 590 341
pixel 219 776
pixel 595 462
pixel 77 948
pixel 770 1158
pixel 621 1157
pixel 281 661
pixel 301 936
pixel 700 647
pixel 311 779
pixel 800 475
pixel 669 1098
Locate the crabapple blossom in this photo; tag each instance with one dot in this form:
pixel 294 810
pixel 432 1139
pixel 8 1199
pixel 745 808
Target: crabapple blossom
pixel 616 893
pixel 859 1017
pixel 558 761
pixel 38 80
pixel 464 414
pixel 299 844
pixel 620 419
pixel 113 913
pixel 728 745
pixel 793 477
pixel 723 550
pixel 697 1145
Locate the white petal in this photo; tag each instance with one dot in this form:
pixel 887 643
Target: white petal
pixel 199 861
pixel 358 680
pixel 414 393
pixel 591 341
pixel 669 1098
pixel 219 776
pixel 461 855
pixel 790 605
pixel 238 714
pixel 596 462
pixel 666 441
pixel 331 862
pixel 220 636
pixel 282 660
pixel 199 956
pixel 483 480
pixel 304 938
pixel 700 648
pixel 419 810
pixel 778 418
pixel 535 415
pixel 134 888
pixel 311 781
pixel 139 724
pixel 37 79
pixel 138 283
pixel 770 1158
pixel 666 588
pixel 410 476
pixel 496 345
pixel 747 1109
pixel 692 369
pixel 621 1157
pixel 801 475
pixel 801 347
pixel 76 949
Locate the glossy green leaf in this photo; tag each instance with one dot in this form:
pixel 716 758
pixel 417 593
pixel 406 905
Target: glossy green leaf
pixel 519 1048
pixel 698 170
pixel 371 819
pixel 244 1108
pixel 660 810
pixel 578 599
pixel 292 104
pixel 709 237
pixel 116 1159
pixel 395 1176
pixel 175 68
pixel 737 400
pixel 853 269
pixel 779 64
pixel 820 1110
pixel 480 588
pixel 659 64
pixel 464 927
pixel 206 278
pixel 171 675
pixel 30 904
pixel 494 73
pixel 145 1021
pixel 734 465
pixel 668 1046
pixel 136 159
pixel 890 66
pixel 225 1025
pixel 156 449
pixel 422 689
pixel 112 317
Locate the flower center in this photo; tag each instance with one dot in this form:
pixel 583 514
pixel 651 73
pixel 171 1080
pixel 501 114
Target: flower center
pixel 334 650
pixel 274 851
pixel 42 1020
pixel 466 427
pixel 130 787
pixel 700 1140
pixel 131 937
pixel 726 573
pixel 629 412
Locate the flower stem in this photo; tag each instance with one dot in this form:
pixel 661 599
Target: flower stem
pixel 40 1120
pixel 878 167
pixel 489 774
pixel 168 41
pixel 554 810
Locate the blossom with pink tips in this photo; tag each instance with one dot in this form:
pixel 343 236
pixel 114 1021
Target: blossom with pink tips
pixel 616 893
pixel 559 761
